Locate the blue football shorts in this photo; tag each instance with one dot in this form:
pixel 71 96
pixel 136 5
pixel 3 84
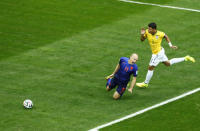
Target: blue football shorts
pixel 115 82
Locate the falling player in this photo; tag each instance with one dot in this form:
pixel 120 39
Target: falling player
pixel 121 75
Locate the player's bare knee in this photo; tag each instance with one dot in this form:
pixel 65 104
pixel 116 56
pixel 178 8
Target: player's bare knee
pixel 116 95
pixel 151 68
pixel 107 88
pixel 116 98
pixel 167 63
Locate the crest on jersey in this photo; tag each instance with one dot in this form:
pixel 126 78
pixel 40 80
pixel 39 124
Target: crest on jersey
pixel 157 36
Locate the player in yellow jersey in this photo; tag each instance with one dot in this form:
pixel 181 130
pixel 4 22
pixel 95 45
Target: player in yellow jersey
pixel 155 38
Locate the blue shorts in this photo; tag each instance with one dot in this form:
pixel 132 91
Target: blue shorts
pixel 115 82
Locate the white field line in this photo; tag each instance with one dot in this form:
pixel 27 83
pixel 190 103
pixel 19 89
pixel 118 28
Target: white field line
pixel 145 110
pixel 164 6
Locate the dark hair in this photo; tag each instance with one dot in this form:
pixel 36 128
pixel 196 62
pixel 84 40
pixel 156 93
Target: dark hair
pixel 153 25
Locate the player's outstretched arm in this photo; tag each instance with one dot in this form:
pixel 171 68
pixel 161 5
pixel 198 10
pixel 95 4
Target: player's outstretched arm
pixel 116 69
pixel 142 37
pixel 169 42
pixel 132 85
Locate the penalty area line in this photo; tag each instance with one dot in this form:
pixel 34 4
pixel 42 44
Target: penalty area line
pixel 146 109
pixel 164 6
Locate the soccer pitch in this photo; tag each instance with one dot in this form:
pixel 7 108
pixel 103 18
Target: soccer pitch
pixel 57 53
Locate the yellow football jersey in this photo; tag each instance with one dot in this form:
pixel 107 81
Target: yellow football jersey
pixel 155 40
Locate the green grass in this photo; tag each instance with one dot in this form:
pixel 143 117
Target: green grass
pixel 181 115
pixel 57 53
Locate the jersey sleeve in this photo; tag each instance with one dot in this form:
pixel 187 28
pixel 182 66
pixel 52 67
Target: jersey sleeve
pixel 135 72
pixel 121 60
pixel 162 34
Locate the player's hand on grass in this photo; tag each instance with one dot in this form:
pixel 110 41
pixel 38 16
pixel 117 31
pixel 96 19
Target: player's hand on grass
pixel 142 31
pixel 110 76
pixel 174 47
pixel 130 90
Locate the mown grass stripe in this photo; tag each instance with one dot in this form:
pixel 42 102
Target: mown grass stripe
pixel 146 109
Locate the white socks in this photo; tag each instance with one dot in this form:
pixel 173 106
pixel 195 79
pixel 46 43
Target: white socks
pixel 172 61
pixel 148 76
pixel 176 60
